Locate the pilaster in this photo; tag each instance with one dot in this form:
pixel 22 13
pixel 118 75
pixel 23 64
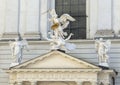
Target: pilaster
pixel 92 19
pixel 44 18
pixel 104 15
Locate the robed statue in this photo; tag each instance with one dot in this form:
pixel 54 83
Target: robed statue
pixel 102 47
pixel 17 48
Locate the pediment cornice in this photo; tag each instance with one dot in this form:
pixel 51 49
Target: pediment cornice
pixel 55 60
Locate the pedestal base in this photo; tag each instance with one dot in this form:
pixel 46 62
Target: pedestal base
pixel 14 64
pixel 104 64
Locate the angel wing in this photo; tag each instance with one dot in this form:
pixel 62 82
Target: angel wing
pixel 65 25
pixel 66 17
pixel 11 44
pixel 108 44
pixel 25 44
pixel 64 20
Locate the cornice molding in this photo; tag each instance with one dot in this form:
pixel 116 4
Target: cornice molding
pixel 34 42
pixel 54 70
pixel 56 53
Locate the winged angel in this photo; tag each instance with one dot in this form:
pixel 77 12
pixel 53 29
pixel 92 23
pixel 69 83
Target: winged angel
pixel 102 48
pixel 17 49
pixel 58 39
pixel 59 24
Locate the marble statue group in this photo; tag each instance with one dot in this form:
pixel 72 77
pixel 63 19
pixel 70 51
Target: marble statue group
pixel 58 37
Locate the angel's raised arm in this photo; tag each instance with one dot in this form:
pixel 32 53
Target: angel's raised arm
pixel 66 17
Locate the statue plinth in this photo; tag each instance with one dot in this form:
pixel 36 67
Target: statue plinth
pixel 14 64
pixel 104 64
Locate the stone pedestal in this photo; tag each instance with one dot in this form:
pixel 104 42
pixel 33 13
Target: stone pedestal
pixel 13 64
pixel 104 64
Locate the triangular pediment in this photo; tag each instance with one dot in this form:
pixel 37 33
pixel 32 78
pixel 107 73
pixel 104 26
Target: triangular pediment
pixel 55 59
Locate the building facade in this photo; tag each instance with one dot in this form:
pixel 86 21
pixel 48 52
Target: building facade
pixel 94 19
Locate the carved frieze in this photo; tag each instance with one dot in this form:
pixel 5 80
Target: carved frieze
pixel 57 76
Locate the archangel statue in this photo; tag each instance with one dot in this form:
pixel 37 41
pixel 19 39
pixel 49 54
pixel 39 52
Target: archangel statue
pixel 102 47
pixel 59 24
pixel 17 50
pixel 58 37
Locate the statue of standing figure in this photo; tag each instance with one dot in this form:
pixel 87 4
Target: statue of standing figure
pixel 17 50
pixel 102 48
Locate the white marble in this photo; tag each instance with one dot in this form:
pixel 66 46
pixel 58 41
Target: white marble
pixel 13 64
